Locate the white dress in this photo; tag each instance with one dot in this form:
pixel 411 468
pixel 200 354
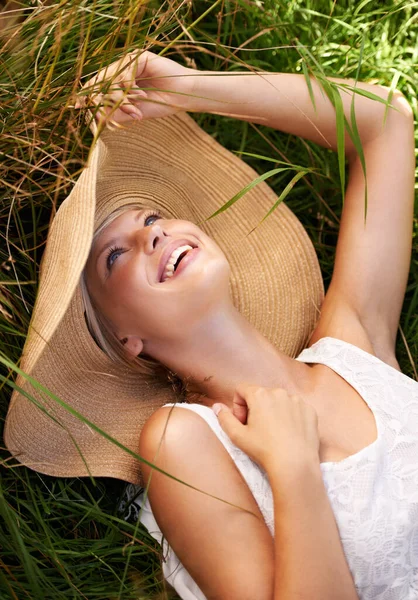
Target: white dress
pixel 373 493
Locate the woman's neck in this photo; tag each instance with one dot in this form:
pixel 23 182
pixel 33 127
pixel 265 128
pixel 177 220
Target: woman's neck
pixel 226 350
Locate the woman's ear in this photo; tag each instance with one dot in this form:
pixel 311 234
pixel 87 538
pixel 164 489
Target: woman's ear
pixel 132 344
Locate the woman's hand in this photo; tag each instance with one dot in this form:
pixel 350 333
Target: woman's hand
pixel 281 434
pixel 281 431
pixel 141 85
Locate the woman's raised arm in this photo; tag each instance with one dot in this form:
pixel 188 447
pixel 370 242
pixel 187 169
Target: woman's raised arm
pixel 161 86
pixel 364 300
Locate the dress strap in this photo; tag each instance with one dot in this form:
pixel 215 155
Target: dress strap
pixel 328 348
pixel 253 475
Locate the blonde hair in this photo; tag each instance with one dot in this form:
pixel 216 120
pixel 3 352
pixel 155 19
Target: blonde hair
pixel 102 332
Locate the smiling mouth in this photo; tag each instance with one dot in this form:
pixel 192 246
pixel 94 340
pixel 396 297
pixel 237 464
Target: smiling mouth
pixel 172 265
pixel 182 255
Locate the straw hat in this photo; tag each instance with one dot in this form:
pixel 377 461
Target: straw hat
pixel 275 283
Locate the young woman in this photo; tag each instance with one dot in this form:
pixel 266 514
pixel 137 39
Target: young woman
pixel 349 409
pixel 319 449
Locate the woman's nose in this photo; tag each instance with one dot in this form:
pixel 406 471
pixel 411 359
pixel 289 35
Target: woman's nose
pixel 154 236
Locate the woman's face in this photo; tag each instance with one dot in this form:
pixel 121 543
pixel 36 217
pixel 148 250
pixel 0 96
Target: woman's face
pixel 128 275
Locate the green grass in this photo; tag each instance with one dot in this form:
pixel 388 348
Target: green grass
pixel 63 538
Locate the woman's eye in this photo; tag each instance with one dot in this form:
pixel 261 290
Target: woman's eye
pixel 113 254
pixel 154 216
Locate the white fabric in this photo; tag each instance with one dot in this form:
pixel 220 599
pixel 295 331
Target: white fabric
pixel 373 493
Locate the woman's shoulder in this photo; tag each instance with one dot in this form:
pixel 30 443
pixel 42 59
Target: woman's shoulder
pixel 175 433
pixel 172 423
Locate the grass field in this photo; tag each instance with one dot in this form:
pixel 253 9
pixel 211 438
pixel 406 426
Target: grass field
pixel 63 538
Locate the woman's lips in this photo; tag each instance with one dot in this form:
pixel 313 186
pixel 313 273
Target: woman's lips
pixel 187 260
pixel 168 252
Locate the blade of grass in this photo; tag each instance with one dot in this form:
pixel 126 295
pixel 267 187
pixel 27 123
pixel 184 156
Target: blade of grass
pixel 335 98
pixel 393 86
pixel 282 197
pixel 354 133
pixel 246 189
pixel 308 83
pixel 20 548
pixel 187 29
pixel 40 388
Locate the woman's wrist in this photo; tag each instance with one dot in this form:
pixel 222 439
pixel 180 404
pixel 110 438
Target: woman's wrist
pixel 219 92
pixel 296 476
pixel 197 102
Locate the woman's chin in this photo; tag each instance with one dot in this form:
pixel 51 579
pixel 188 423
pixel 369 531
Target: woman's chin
pixel 203 277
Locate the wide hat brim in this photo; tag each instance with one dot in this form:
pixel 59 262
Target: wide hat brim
pixel 275 283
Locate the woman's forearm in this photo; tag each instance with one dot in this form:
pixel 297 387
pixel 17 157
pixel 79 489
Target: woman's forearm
pixel 282 101
pixel 309 559
pixel 281 435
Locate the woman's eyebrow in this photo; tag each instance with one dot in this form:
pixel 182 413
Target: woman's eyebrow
pixel 115 239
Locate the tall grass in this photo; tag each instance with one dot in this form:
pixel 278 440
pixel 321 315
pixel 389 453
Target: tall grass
pixel 64 538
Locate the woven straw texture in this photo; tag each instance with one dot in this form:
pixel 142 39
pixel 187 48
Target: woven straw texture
pixel 173 165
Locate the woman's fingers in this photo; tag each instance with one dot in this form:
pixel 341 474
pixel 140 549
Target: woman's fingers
pixel 137 92
pixel 240 407
pixel 132 111
pixel 118 104
pixel 271 426
pixel 248 391
pixel 229 423
pixel 115 89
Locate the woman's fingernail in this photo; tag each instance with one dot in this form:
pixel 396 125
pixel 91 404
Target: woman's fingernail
pixel 140 93
pixel 217 408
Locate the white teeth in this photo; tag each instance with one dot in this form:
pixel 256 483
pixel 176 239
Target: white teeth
pixel 169 268
pixel 176 253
